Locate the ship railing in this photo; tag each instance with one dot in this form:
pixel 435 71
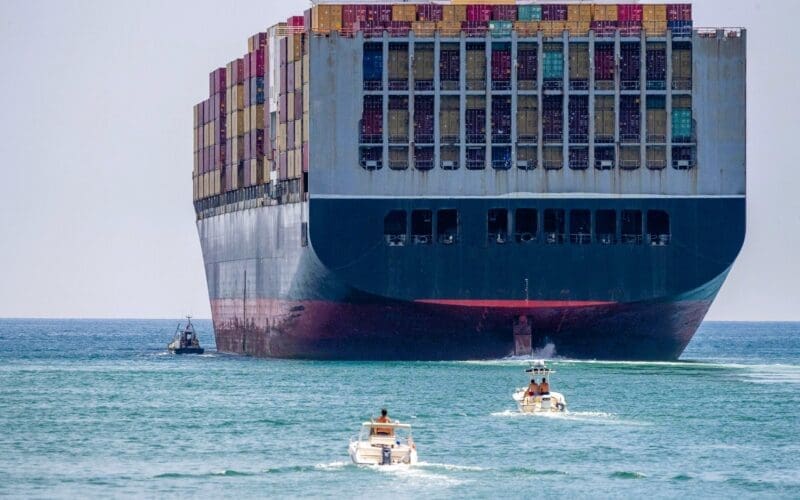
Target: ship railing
pixel 553 137
pixel 476 84
pixel 579 84
pixel 580 238
pixel 659 240
pixel 398 84
pixel 371 138
pixel 448 139
pixel 629 85
pixel 553 238
pixel 476 138
pixel 525 237
pixel 527 138
pixel 476 164
pixel 398 138
pixel 600 138
pixel 579 137
pixel 606 238
pixel 423 138
pixel 657 138
pixel 449 164
pixel 631 138
pixel 501 137
pixel 658 84
pixel 396 240
pixel 526 84
pixel 553 84
pixel 372 85
pixel 632 239
pixel 604 84
pixel 422 239
pixel 423 85
pixel 499 238
pixel 501 84
pixel 448 238
pixel 449 85
pixel 681 84
pixel 528 164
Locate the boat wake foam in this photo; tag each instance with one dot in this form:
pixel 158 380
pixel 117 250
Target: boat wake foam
pixel 597 417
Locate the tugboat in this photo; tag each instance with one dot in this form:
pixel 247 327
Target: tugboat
pixel 532 399
pixel 185 342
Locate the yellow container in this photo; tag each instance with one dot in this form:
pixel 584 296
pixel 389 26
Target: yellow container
pixel 526 28
pixel 298 76
pixel 605 13
pixel 655 28
pixel 454 13
pixel 247 121
pixel 423 28
pixel 449 28
pixel 578 27
pixel 404 12
pixel 581 12
pixel 290 105
pixel 281 137
pixel 552 28
pixel 306 100
pixel 654 12
pixel 326 18
pixel 298 131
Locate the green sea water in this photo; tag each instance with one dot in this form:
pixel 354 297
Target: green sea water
pixel 99 409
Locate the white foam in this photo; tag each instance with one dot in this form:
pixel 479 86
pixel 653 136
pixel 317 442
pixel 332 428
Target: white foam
pixel 332 465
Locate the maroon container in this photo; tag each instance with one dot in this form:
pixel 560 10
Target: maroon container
pixel 630 61
pixel 679 12
pixel 283 51
pixel 479 13
pixel 258 62
pixel 629 117
pixel 504 12
pixel 629 12
pixel 369 29
pixel 555 12
pixel 552 117
pixel 527 65
pixel 398 28
pixel 604 28
pixel 379 13
pixel 604 61
pixel 501 119
pixel 579 119
pixel 305 157
pixel 259 40
pixel 283 108
pixel 296 21
pixel 246 67
pixel 656 64
pixel 501 65
pixel 257 145
pixel 450 65
pixel 430 12
pixel 239 71
pixel 629 28
pixel 216 81
pixel 220 127
pixel 290 76
pixel 283 166
pixel 247 90
pixel 475 28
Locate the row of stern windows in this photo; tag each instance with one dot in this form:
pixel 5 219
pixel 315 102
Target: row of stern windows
pixel 551 226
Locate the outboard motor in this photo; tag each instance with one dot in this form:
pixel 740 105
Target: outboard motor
pixel 386 456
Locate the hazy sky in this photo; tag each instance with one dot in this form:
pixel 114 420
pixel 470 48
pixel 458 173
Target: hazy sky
pixel 96 215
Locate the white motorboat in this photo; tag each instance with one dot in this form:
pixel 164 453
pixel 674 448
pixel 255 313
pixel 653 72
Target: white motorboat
pixel 381 443
pixel 528 402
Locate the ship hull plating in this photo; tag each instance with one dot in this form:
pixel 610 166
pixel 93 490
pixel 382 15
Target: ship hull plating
pixel 348 295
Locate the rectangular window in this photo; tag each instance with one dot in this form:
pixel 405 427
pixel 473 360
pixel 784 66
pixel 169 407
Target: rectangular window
pixel 398 66
pixel 554 226
pixel 447 226
pixel 423 66
pixel 526 225
pixel 476 66
pixel 658 230
pixel 371 158
pixel 373 66
pixel 497 225
pixel 394 228
pixel 422 227
pixel 450 66
pixel 449 119
pixel 632 227
pixel 605 229
pixel 580 227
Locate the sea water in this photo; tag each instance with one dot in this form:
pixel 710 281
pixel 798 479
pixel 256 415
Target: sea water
pixel 100 409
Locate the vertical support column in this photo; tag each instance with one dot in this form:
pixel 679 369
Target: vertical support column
pixel 514 140
pixel 436 100
pixel 385 100
pixel 643 99
pixel 591 99
pixel 565 102
pixel 411 118
pixel 539 97
pixel 488 42
pixel 462 98
pixel 668 99
pixel 617 58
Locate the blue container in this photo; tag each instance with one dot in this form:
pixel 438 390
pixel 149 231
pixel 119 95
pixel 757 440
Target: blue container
pixel 553 65
pixel 257 90
pixel 680 28
pixel 529 12
pixel 500 29
pixel 373 66
pixel 681 123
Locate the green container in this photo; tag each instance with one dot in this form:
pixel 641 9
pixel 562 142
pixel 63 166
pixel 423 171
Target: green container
pixel 500 29
pixel 682 123
pixel 529 12
pixel 553 65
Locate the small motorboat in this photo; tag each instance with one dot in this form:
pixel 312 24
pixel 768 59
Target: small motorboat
pixel 381 443
pixel 551 402
pixel 185 341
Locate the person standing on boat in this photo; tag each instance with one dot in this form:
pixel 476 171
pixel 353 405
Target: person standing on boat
pixel 532 391
pixel 384 419
pixel 544 387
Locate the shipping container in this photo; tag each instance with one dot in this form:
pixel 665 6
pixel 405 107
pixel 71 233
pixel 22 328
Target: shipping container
pixel 527 119
pixel 476 66
pixel 398 66
pixel 423 157
pixel 578 158
pixel 579 66
pixel 402 12
pixel 629 118
pixel 553 158
pixel 501 66
pixel 399 29
pixel 423 119
pixel 527 66
pixel 423 66
pixel 398 119
pixel 680 29
pixel 449 29
pixel 501 119
pixel 684 157
pixel 529 12
pixel 454 13
pixel 370 29
pixel 475 28
pixel 476 119
pixel 679 12
pixel 553 65
pixel 526 29
pixel 554 12
pixel 326 19
pixel 578 119
pixel 423 29
pixel 605 13
pixel 552 119
pixel 398 157
pixel 604 119
pixel 603 28
pixel 629 28
pixel 500 29
pixel 501 157
pixel 629 157
pixel 579 12
pixel 504 12
pixel 656 66
pixel 450 66
pixel 430 12
pixel 630 12
pixel 526 160
pixel 630 66
pixel 655 28
pixel 656 119
pixel 604 157
pixel 373 66
pixel 479 13
pixel 449 119
pixel 681 124
pixel 450 157
pixel 681 66
pixel 380 13
pixel 656 157
pixel 604 66
pixel 372 120
pixel 552 28
pixel 476 158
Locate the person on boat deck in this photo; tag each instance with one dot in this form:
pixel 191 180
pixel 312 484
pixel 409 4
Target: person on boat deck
pixel 533 389
pixel 544 387
pixel 384 419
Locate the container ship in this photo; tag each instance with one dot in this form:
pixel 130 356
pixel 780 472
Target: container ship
pixel 443 181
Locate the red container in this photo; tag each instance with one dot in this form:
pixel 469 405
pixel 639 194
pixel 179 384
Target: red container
pixel 298 105
pixel 296 21
pixel 479 13
pixel 604 28
pixel 398 28
pixel 604 61
pixel 258 61
pixel 504 12
pixel 629 12
pixel 305 157
pixel 379 13
pixel 555 12
pixel 475 28
pixel 430 12
pixel 353 13
pixel 283 51
pixel 629 28
pixel 258 41
pixel 501 65
pixel 679 12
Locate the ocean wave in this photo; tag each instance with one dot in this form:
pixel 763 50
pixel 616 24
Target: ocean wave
pixel 183 475
pixel 599 417
pixel 627 475
pixel 332 466
pixel 451 467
